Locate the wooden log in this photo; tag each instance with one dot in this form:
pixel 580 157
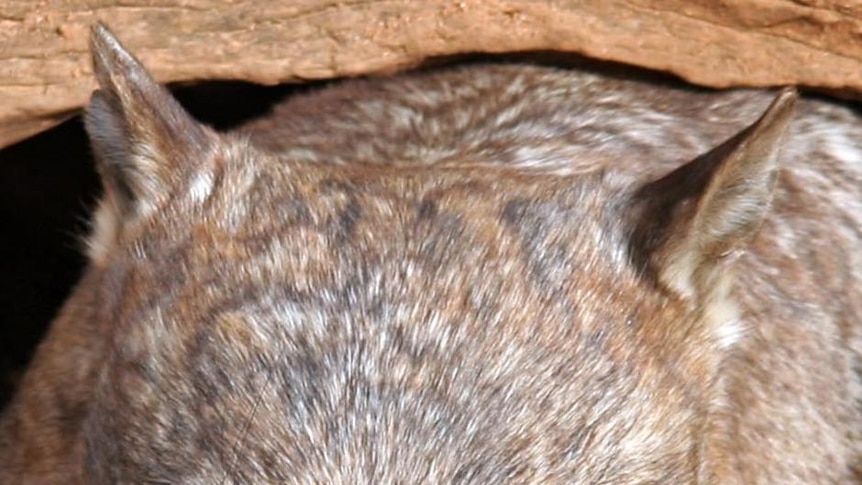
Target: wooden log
pixel 45 73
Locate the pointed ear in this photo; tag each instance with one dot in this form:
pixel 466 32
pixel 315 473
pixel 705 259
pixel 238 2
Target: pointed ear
pixel 699 216
pixel 140 135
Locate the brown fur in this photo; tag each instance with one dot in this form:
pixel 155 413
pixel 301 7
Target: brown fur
pixel 490 274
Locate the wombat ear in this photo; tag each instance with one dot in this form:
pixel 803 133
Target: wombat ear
pixel 140 134
pixel 705 212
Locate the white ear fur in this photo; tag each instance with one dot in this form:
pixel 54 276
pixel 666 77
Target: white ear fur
pixel 141 137
pixel 713 207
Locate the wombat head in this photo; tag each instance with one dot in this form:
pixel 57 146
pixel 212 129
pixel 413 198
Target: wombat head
pixel 284 319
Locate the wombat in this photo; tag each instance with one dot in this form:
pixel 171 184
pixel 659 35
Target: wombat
pixel 481 274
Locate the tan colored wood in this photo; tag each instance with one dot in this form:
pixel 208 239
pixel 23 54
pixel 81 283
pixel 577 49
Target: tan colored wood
pixel 45 73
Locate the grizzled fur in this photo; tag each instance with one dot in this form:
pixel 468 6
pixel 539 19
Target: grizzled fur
pixel 490 274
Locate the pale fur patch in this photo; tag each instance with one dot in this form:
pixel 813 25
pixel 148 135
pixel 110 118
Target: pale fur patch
pixel 719 312
pixel 201 186
pixel 678 272
pixel 103 238
pixel 722 316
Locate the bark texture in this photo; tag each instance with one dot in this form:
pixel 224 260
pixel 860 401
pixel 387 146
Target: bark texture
pixel 45 74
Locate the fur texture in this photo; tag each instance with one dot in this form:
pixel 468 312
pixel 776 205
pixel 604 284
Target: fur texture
pixel 488 274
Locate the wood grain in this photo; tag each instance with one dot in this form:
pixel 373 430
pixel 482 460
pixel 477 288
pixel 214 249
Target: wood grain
pixel 45 73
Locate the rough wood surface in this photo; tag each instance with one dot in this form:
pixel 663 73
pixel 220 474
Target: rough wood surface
pixel 45 74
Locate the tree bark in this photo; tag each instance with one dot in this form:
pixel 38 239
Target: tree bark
pixel 45 74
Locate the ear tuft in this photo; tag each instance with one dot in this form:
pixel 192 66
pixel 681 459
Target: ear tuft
pixel 111 59
pixel 712 208
pixel 143 141
pixel 141 137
